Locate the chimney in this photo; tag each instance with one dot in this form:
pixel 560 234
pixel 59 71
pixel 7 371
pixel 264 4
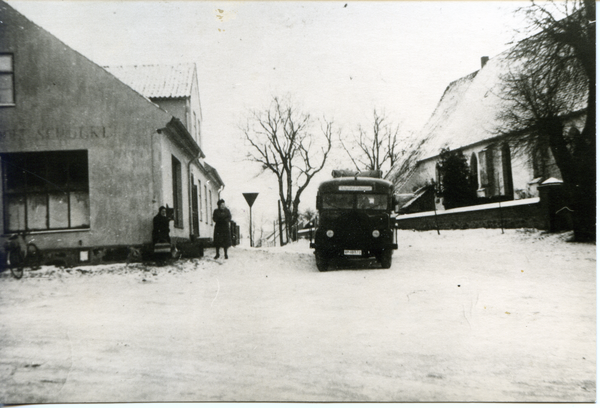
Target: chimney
pixel 484 61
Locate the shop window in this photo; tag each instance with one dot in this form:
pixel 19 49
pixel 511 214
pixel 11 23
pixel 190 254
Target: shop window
pixel 177 192
pixel 45 191
pixel 7 80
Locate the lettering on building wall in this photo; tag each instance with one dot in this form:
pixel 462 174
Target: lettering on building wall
pixel 60 133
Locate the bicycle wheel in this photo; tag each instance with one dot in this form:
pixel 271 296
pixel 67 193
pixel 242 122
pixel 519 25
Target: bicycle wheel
pixel 34 256
pixel 15 263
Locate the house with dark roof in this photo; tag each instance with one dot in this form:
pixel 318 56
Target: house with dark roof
pixel 86 159
pixel 467 119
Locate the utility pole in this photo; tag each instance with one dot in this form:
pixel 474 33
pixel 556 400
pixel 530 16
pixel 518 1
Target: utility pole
pixel 250 197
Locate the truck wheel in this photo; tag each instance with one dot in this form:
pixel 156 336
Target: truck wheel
pixel 386 259
pixel 322 262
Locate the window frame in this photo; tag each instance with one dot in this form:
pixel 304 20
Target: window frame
pixel 200 206
pixel 208 214
pixel 69 189
pixel 10 72
pixel 177 184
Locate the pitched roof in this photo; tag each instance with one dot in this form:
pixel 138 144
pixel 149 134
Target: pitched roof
pixel 157 81
pixel 212 172
pixel 468 113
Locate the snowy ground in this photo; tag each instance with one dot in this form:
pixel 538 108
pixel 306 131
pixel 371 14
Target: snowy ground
pixel 463 316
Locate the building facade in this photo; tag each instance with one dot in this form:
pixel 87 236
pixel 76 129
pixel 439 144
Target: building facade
pixel 175 89
pixel 86 160
pixel 467 119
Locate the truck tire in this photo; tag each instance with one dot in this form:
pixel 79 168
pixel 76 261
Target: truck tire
pixel 322 262
pixel 386 259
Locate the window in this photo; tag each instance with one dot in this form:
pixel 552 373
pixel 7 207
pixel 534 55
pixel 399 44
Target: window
pixel 540 158
pixel 338 201
pixel 507 171
pixel 208 215
pixel 210 200
pixel 486 170
pixel 201 209
pixel 474 171
pixel 371 202
pixel 177 192
pixel 7 80
pixel 45 190
pixel 195 215
pixel 348 201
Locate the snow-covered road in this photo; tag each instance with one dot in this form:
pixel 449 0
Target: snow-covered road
pixel 462 316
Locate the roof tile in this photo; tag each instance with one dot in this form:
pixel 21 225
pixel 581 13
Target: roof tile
pixel 157 81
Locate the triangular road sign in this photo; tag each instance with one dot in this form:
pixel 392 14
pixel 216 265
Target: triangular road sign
pixel 250 197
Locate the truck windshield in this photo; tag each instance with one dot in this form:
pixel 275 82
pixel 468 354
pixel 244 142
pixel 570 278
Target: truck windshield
pixel 363 201
pixel 371 202
pixel 338 201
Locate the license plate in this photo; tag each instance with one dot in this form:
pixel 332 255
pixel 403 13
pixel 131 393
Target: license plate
pixel 352 252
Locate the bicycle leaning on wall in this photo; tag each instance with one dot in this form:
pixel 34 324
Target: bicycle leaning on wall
pixel 21 254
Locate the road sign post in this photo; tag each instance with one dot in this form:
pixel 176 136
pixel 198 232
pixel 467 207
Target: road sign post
pixel 250 197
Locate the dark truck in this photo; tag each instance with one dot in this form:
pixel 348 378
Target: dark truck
pixel 354 218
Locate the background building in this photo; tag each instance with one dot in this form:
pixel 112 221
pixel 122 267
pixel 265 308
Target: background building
pixel 467 118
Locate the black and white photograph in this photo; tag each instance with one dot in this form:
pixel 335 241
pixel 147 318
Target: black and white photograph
pixel 297 201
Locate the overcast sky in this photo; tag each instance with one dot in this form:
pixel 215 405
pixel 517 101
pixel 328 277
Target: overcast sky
pixel 339 59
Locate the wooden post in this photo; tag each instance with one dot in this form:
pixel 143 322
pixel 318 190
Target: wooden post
pixel 280 230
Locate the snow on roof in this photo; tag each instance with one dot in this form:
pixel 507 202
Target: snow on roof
pixel 467 112
pixel 157 81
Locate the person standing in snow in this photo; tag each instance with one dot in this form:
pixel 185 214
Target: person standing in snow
pixel 222 233
pixel 160 230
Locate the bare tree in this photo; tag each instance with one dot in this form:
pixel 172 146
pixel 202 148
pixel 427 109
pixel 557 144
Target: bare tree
pixel 286 142
pixel 377 149
pixel 553 76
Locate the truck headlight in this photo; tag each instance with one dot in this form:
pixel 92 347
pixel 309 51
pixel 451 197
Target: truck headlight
pixel 375 234
pixel 330 233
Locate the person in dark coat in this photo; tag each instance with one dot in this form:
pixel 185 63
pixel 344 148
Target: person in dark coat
pixel 222 233
pixel 160 230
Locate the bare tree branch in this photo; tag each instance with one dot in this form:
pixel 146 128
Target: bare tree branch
pixel 285 141
pixel 553 77
pixel 378 149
